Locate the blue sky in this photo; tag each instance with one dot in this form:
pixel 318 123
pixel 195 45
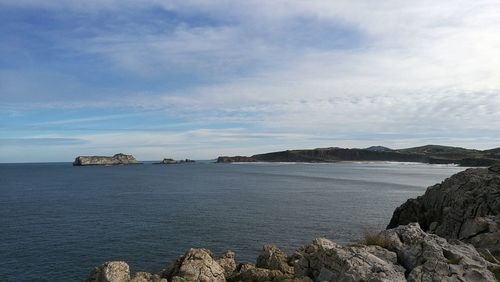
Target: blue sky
pixel 198 79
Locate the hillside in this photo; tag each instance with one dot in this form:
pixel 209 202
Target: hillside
pixel 435 154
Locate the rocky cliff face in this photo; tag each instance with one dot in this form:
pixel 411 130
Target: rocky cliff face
pixel 118 159
pixel 465 206
pixel 405 253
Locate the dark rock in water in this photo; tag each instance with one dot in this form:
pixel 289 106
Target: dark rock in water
pixel 236 159
pixel 465 206
pixel 118 159
pixel 172 161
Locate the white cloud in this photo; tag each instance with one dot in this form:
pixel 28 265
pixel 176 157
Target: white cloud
pixel 412 71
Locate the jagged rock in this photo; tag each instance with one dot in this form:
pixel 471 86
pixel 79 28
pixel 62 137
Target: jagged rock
pixel 147 277
pixel 274 259
pixel 227 262
pixel 172 161
pixel 465 206
pixel 112 271
pixel 324 260
pixel 118 159
pixel 195 265
pixel 257 274
pixel 428 257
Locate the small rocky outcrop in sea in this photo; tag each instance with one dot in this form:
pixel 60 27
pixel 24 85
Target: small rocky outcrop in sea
pixel 118 159
pixel 172 161
pixel 405 253
pixel 465 206
pixel 235 159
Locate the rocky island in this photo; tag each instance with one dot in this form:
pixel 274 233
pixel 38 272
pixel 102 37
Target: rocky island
pixel 449 234
pixel 172 161
pixel 433 154
pixel 118 159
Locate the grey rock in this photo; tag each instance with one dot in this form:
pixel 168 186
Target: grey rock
pixel 465 206
pixel 228 263
pixel 112 271
pixel 323 260
pixel 428 257
pixel 147 277
pixel 118 159
pixel 195 265
pixel 274 259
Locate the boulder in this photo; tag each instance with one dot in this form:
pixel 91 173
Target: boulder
pixel 274 259
pixel 323 260
pixel 111 271
pixel 249 272
pixel 147 277
pixel 118 159
pixel 465 206
pixel 428 257
pixel 228 263
pixel 195 265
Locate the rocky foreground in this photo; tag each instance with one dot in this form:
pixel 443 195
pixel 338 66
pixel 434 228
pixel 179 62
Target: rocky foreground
pixel 118 159
pixel 463 212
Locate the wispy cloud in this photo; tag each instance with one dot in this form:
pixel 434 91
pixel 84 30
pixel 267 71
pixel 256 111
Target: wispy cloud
pixel 310 71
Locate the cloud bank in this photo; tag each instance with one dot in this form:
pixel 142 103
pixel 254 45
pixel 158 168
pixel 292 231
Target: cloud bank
pixel 222 77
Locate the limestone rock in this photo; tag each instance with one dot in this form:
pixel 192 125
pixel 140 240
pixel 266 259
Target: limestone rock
pixel 324 260
pixel 195 265
pixel 118 159
pixel 228 263
pixel 112 271
pixel 274 259
pixel 257 274
pixel 428 257
pixel 147 277
pixel 465 206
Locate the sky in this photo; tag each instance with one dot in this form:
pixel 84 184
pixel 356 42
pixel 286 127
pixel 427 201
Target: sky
pixel 200 79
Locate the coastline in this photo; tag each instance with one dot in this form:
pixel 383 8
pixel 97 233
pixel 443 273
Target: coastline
pixel 406 251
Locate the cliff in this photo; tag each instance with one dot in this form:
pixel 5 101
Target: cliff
pixel 465 206
pixel 433 154
pixel 118 159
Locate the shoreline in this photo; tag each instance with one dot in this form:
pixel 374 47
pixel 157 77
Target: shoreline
pixel 409 250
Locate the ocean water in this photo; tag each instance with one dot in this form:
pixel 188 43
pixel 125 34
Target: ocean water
pixel 58 221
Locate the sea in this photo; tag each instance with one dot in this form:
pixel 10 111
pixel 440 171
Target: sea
pixel 58 221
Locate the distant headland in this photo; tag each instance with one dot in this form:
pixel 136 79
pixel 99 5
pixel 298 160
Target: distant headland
pixel 432 154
